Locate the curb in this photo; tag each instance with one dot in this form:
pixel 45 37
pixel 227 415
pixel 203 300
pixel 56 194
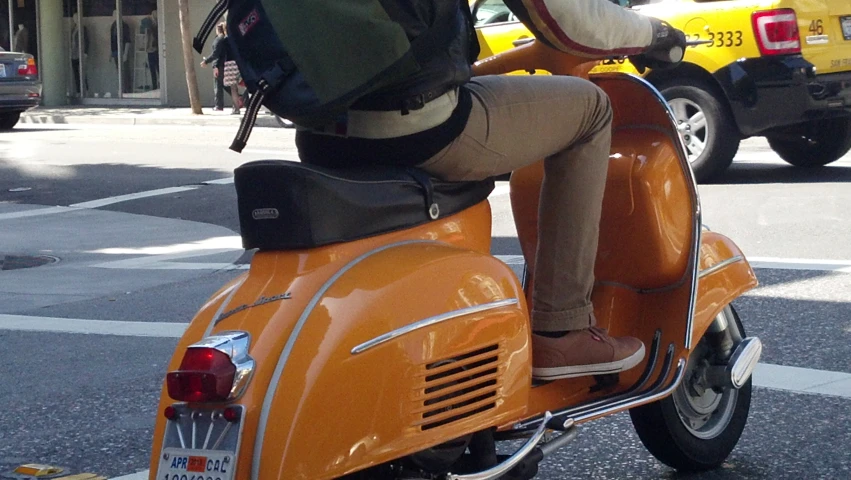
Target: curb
pixel 143 475
pixel 267 121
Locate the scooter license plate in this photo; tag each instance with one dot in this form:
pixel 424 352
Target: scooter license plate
pixel 187 464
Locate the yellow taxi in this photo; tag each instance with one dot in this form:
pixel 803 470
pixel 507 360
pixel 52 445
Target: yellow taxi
pixel 774 68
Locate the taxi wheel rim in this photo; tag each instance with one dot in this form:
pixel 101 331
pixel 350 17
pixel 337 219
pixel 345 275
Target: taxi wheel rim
pixel 691 122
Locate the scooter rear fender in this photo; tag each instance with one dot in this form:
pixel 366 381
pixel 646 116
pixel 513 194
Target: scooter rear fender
pixel 725 274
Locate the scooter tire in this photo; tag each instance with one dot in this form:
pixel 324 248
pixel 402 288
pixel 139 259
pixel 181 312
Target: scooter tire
pixel 662 430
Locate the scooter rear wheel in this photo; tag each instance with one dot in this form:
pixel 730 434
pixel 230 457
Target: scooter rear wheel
pixel 696 427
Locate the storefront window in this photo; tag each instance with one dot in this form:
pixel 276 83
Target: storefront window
pixel 24 27
pixel 113 49
pixel 5 24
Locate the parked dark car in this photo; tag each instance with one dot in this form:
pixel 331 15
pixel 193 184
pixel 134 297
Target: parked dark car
pixel 20 88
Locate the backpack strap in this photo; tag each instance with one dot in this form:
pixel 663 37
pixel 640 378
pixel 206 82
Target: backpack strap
pixel 209 24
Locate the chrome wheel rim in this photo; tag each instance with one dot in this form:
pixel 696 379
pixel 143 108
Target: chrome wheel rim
pixel 691 123
pixel 705 412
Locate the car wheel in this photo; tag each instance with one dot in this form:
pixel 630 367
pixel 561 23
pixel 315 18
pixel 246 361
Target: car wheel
pixel 815 143
pixel 707 127
pixel 697 426
pixel 9 120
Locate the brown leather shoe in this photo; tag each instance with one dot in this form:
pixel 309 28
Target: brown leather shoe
pixel 583 352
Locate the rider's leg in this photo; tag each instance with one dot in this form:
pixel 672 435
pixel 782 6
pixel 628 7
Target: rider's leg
pixel 517 121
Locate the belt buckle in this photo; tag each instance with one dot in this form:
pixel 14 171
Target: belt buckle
pixel 413 103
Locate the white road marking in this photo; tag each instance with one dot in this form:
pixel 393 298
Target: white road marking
pixel 768 263
pixel 132 196
pixel 842 266
pixel 221 181
pixel 162 257
pixel 802 380
pixel 35 212
pixel 92 327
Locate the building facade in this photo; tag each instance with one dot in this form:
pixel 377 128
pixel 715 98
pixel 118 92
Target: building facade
pixel 106 52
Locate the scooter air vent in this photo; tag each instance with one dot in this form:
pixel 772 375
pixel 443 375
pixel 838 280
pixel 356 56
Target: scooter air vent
pixel 460 387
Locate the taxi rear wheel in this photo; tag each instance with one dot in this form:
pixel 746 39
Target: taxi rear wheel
pixel 706 124
pixel 814 144
pixel 9 120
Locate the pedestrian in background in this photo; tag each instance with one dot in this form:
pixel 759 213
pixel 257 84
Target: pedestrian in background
pixel 231 79
pixel 217 58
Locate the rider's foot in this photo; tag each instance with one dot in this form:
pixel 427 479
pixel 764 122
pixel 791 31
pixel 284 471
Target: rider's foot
pixel 583 352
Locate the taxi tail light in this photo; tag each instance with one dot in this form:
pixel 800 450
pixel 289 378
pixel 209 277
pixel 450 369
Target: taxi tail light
pixel 776 31
pixel 29 69
pixel 205 375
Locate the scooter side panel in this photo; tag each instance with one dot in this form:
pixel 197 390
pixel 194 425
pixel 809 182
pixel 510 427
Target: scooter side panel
pixel 293 278
pixel 454 373
pixel 725 274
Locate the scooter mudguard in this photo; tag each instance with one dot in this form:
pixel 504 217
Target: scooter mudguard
pixel 369 351
pixel 725 274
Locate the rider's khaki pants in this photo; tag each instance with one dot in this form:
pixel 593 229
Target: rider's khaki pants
pixel 519 120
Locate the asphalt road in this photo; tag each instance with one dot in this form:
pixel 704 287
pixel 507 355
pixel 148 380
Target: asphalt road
pixel 137 232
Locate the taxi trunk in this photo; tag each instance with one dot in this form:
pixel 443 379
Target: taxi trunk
pixel 825 32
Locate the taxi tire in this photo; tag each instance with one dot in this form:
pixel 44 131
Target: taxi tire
pixel 724 138
pixel 9 120
pixel 815 144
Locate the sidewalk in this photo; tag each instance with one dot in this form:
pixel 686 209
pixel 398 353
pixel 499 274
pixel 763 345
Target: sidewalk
pixel 138 116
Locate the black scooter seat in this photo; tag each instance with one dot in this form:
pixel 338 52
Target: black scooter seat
pixel 287 205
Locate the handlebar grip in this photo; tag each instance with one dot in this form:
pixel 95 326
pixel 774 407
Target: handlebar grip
pixel 673 55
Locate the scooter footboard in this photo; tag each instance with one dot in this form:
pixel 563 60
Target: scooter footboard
pixel 401 349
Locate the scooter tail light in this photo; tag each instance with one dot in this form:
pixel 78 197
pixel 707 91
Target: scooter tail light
pixel 29 69
pixel 216 369
pixel 776 31
pixel 206 375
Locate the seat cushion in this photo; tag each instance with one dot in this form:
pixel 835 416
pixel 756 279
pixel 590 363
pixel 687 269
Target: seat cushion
pixel 289 205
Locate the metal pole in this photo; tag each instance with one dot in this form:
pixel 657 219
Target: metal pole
pixel 11 24
pixel 38 34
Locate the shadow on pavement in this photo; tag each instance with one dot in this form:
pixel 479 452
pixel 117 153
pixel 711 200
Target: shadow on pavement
pixel 65 185
pixel 757 173
pixel 23 129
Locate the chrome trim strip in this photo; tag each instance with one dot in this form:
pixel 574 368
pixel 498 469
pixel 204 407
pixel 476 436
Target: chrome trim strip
pixel 679 375
pixel 498 470
pixel 621 405
pixel 265 411
pixel 720 265
pixel 428 322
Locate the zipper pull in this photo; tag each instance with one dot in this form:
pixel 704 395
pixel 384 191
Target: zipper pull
pixel 250 118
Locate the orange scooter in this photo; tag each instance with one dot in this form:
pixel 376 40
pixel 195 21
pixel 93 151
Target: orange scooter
pixel 375 336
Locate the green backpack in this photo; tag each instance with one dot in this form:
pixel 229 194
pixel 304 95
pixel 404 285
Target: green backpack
pixel 309 60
